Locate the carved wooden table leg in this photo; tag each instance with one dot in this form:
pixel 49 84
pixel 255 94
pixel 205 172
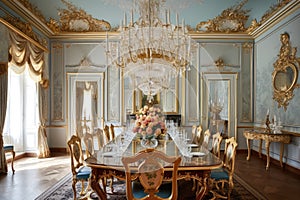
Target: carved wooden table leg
pixel 204 185
pixel 95 184
pixel 249 150
pixel 268 154
pixel 260 147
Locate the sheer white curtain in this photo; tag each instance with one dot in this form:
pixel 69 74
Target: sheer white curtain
pixel 13 131
pixel 21 122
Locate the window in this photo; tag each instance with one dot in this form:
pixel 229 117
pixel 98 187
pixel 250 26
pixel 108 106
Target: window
pixel 21 122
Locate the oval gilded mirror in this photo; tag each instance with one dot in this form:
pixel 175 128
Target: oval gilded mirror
pixel 285 79
pixel 285 74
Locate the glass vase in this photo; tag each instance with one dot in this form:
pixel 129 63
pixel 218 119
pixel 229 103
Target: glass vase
pixel 149 143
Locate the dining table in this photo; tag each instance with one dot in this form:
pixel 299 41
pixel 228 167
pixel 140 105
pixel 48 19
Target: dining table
pixel 106 163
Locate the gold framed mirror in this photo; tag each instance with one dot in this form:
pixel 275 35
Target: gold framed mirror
pixel 285 74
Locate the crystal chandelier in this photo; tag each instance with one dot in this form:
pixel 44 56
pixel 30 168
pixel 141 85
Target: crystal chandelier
pixel 151 51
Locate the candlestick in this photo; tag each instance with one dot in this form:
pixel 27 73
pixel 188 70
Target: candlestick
pixel 125 19
pixel 131 17
pixel 169 16
pixel 106 41
pixel 166 16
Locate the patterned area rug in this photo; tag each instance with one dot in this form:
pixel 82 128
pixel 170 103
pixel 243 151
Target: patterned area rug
pixel 62 190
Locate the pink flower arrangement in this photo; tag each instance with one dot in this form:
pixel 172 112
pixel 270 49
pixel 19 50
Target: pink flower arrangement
pixel 149 122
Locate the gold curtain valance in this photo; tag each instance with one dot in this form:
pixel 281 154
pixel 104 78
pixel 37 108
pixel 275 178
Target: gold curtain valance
pixel 23 53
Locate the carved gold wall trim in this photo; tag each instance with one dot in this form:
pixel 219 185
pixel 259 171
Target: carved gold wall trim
pixel 273 9
pixel 22 28
pixel 230 20
pixel 233 19
pixel 34 10
pixel 76 20
pixel 273 16
pixel 285 74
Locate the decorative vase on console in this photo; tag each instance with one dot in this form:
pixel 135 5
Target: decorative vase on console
pixel 150 125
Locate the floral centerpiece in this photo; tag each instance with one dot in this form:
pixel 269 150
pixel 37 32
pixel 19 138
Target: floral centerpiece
pixel 149 123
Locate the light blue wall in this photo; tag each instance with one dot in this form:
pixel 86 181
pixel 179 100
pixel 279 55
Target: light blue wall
pixel 267 47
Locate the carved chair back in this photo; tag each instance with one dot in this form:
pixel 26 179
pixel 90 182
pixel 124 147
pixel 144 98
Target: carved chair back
pixel 216 144
pixel 147 167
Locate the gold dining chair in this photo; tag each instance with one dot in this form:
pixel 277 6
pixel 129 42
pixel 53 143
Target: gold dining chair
pixel 220 177
pixel 216 144
pixel 111 132
pixel 80 172
pixel 88 140
pixel 101 138
pixel 194 131
pixel 199 135
pixel 145 173
pixel 107 133
pixel 206 138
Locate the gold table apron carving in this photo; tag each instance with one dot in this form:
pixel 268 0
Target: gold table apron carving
pixel 198 168
pixel 268 138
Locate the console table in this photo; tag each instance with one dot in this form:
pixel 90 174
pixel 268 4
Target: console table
pixel 268 138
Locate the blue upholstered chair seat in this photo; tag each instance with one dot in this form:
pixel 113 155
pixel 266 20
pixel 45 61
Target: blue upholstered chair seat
pixel 219 174
pixel 164 190
pixel 8 147
pixel 83 173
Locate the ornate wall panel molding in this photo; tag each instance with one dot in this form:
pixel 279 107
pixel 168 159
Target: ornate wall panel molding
pixel 245 84
pixel 57 85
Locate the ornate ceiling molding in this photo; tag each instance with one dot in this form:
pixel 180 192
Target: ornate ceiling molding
pixel 230 20
pixel 273 9
pixel 273 16
pixel 233 19
pixel 74 21
pixel 34 10
pixel 77 20
pixel 25 30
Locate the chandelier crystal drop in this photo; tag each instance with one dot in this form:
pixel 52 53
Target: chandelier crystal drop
pixel 151 51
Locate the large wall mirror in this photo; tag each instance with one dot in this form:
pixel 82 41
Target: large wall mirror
pixel 219 103
pixel 166 99
pixel 85 102
pixel 285 74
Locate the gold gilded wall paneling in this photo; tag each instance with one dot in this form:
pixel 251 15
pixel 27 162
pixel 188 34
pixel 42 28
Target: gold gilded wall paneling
pixel 193 92
pixel 245 86
pixel 114 82
pixel 57 84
